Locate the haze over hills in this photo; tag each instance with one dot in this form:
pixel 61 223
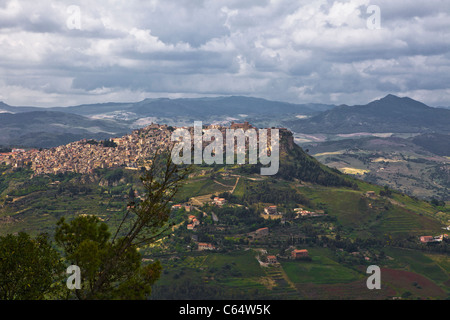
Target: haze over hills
pixel 47 127
pixel 200 107
pixel 5 108
pixel 184 111
pixel 52 128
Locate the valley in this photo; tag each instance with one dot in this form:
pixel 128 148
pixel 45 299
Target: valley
pixel 223 245
pixel 396 162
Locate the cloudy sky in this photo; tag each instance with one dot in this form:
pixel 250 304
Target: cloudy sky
pixel 60 53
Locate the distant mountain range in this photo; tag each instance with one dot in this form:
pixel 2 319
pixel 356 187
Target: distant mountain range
pixel 52 128
pixel 48 127
pixel 4 108
pixel 193 107
pixel 198 107
pixel 390 114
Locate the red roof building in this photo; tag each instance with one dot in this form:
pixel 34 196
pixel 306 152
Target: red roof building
pixel 205 246
pixel 299 254
pixel 426 239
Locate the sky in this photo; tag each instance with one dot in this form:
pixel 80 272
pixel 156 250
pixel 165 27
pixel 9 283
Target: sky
pixel 62 53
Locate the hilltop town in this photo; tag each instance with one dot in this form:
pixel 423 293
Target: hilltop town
pixel 130 151
pixel 86 155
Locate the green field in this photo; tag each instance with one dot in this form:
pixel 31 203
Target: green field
pixel 321 270
pixel 415 261
pixel 199 187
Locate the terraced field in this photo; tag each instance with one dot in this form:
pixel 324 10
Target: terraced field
pixel 282 288
pixel 400 221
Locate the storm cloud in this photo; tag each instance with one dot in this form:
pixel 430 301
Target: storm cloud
pixel 59 53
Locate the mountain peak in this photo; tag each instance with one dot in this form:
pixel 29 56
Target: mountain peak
pixel 391 97
pixel 404 103
pixel 389 114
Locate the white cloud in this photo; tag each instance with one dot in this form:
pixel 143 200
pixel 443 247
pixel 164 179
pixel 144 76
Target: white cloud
pixel 291 50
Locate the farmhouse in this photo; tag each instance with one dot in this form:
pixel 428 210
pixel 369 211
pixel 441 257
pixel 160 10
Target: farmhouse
pixel 195 222
pixel 306 213
pixel 219 201
pixel 205 246
pixel 296 254
pixel 426 239
pixel 270 210
pixel 271 259
pixel 371 194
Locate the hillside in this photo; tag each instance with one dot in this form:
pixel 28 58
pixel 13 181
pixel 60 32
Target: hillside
pixel 389 114
pixel 436 143
pixel 351 230
pixel 297 164
pixel 418 166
